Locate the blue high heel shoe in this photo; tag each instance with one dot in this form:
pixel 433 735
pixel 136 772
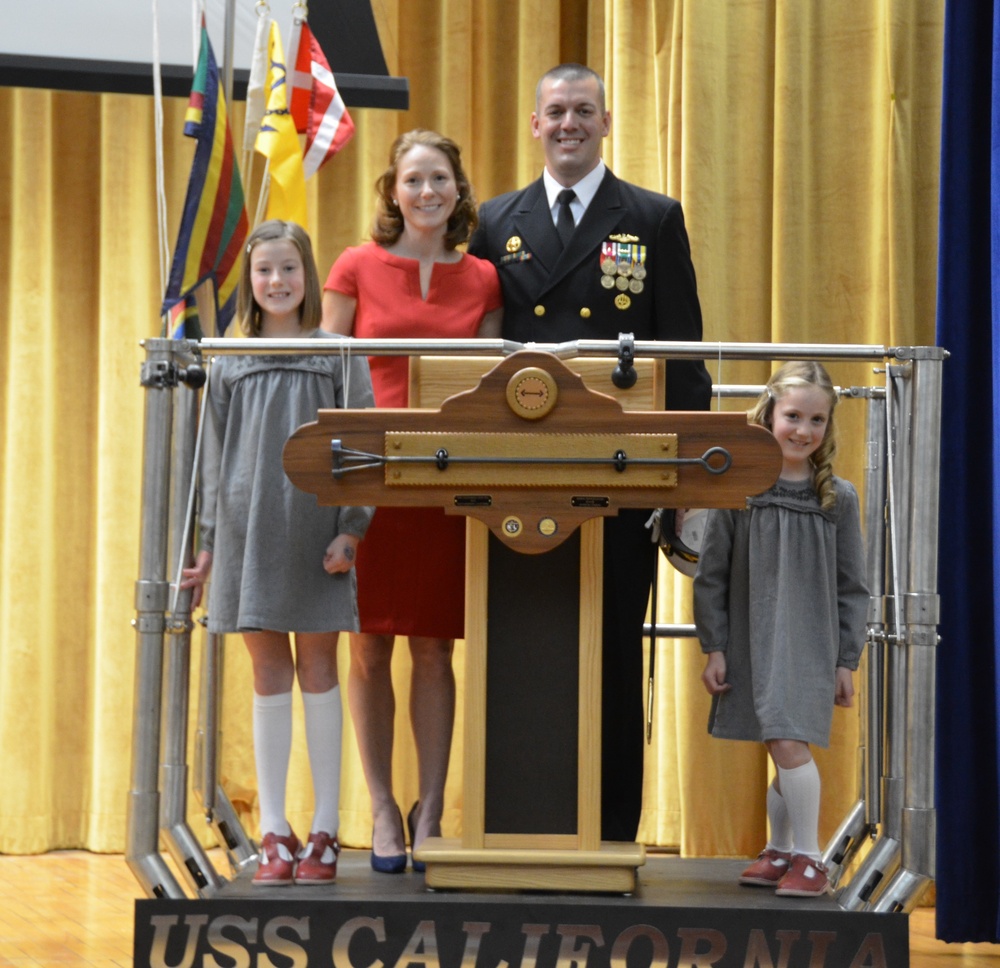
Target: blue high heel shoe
pixel 411 824
pixel 391 863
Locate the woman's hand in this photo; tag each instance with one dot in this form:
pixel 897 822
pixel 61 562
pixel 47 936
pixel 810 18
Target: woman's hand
pixel 714 676
pixel 197 576
pixel 340 554
pixel 844 694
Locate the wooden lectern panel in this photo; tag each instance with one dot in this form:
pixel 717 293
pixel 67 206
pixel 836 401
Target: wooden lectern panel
pixel 552 664
pixel 435 378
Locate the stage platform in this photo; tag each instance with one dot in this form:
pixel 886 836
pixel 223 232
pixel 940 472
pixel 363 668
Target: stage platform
pixel 683 913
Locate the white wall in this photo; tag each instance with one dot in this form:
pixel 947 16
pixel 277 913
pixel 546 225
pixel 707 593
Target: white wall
pixel 122 30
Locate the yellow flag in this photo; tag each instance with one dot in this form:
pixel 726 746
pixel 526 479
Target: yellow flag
pixel 279 142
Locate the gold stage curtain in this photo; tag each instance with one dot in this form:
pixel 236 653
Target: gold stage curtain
pixel 802 139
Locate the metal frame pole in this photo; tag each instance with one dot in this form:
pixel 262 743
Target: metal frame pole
pixel 142 829
pixel 650 349
pixel 240 849
pixel 858 827
pixel 875 512
pixel 203 782
pixel 921 610
pixel 882 860
pixel 187 852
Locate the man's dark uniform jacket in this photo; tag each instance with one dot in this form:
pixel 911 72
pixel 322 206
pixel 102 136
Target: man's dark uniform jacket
pixel 553 295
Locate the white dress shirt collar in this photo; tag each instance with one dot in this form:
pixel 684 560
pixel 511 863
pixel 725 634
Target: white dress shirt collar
pixel 585 188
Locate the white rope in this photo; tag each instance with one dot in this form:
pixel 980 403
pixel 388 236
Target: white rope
pixel 345 366
pixel 162 229
pixel 195 473
pixel 718 384
pixel 897 598
pixel 161 193
pixel 197 12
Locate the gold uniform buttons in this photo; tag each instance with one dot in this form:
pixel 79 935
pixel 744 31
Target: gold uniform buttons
pixel 539 310
pixel 585 312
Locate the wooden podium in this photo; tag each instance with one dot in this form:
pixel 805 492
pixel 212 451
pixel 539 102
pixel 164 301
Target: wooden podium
pixel 535 458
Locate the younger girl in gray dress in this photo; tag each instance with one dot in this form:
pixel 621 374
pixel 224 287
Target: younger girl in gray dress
pixel 283 564
pixel 780 604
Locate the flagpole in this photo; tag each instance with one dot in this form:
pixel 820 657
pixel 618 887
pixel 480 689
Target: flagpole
pixel 227 50
pixel 265 187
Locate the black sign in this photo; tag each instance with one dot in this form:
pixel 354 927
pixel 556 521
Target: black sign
pixel 524 931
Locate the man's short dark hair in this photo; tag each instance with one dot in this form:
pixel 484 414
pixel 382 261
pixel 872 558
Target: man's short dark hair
pixel 571 72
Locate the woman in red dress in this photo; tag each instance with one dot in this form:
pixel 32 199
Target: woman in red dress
pixel 411 281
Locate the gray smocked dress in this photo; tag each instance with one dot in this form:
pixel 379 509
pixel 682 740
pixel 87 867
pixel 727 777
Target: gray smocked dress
pixel 267 537
pixel 781 589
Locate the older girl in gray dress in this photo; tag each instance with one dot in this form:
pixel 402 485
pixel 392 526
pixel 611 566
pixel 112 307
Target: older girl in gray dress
pixel 780 604
pixel 283 564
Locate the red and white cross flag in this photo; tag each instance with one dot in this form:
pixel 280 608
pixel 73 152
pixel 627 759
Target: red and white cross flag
pixel 316 106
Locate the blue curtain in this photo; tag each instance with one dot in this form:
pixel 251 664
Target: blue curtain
pixel 968 325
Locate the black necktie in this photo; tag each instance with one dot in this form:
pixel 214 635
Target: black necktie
pixel 565 223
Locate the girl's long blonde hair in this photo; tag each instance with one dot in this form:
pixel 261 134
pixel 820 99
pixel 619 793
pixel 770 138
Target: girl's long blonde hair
pixel 804 373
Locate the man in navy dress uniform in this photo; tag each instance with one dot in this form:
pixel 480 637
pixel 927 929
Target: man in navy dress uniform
pixel 582 254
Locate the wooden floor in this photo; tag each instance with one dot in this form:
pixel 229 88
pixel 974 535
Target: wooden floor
pixel 76 908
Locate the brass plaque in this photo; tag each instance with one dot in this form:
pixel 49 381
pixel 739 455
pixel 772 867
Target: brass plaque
pixel 576 461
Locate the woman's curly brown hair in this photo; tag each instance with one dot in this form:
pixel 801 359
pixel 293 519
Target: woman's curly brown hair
pixel 804 373
pixel 388 224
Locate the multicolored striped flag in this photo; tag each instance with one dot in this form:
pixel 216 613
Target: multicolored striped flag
pixel 185 322
pixel 317 108
pixel 214 225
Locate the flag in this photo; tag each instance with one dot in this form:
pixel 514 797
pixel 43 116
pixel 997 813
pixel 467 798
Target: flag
pixel 185 322
pixel 279 143
pixel 317 107
pixel 299 78
pixel 214 225
pixel 255 83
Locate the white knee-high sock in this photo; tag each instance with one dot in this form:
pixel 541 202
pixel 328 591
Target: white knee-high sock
pixel 777 817
pixel 324 724
pixel 800 788
pixel 272 743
